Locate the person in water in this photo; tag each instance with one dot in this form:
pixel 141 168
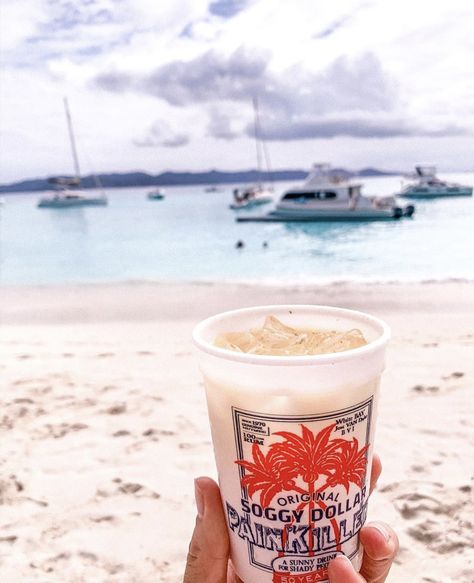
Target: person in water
pixel 208 557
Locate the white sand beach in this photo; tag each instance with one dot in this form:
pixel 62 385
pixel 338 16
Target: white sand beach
pixel 103 426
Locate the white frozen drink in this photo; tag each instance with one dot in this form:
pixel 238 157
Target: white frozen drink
pixel 293 436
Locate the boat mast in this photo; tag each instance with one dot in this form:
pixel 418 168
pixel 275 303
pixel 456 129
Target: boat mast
pixel 72 140
pixel 257 143
pixel 260 142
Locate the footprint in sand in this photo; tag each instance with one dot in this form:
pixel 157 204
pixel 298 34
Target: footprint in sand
pixel 437 515
pixel 144 353
pixel 108 388
pixel 453 375
pixel 117 409
pixel 426 389
pixel 162 432
pixel 10 488
pixel 107 518
pixel 62 429
pixel 129 489
pixel 105 354
pixel 12 492
pixel 121 433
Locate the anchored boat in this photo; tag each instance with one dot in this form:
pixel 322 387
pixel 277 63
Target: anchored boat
pixel 325 196
pixel 156 194
pixel 256 194
pixel 67 191
pixel 251 196
pixel 428 185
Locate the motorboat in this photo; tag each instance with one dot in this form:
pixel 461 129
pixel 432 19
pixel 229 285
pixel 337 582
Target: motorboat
pixel 251 196
pixel 326 196
pixel 67 191
pixel 257 194
pixel 156 194
pixel 428 185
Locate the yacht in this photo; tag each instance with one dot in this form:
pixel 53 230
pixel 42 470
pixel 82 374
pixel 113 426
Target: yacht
pixel 67 191
pixel 428 185
pixel 325 196
pixel 156 194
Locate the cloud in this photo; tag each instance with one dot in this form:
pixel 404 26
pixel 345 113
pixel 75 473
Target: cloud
pixel 341 21
pixel 356 127
pixel 221 125
pixel 295 103
pixel 161 134
pixel 43 32
pixel 212 77
pixel 227 8
pixel 334 26
pixel 68 15
pixel 114 81
pixel 208 78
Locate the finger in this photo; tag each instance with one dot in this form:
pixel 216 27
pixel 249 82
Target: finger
pixel 376 471
pixel 232 576
pixel 208 554
pixel 340 570
pixel 380 548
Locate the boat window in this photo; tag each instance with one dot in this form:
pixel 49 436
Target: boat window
pixel 295 195
pixel 328 194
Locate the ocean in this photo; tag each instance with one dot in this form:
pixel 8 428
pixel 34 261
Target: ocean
pixel 192 234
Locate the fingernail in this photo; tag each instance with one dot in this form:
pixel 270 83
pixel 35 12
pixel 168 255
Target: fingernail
pixel 199 499
pixel 382 529
pixel 343 559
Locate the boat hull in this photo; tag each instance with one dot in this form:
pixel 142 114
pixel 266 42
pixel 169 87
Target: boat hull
pixel 250 204
pixel 51 203
pixel 437 194
pixel 345 216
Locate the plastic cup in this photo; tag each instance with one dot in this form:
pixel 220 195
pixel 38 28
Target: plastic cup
pixel 293 440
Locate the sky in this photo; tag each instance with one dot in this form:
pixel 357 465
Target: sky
pixel 157 85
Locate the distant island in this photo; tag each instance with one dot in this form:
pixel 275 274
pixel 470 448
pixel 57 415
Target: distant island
pixel 210 178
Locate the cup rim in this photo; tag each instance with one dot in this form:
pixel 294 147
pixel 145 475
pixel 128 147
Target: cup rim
pixel 306 360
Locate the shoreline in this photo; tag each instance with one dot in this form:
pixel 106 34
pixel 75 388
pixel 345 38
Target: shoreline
pixel 144 301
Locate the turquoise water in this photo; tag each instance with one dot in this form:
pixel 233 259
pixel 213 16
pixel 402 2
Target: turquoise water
pixel 191 235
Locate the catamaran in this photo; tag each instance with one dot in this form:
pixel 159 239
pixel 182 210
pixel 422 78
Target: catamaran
pixel 67 191
pixel 325 196
pixel 255 194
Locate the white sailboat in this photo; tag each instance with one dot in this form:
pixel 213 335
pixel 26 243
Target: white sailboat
pixel 67 191
pixel 255 194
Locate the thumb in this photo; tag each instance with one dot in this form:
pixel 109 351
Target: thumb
pixel 380 548
pixel 208 554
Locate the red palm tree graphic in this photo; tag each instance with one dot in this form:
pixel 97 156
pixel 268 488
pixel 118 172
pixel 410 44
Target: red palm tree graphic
pixel 266 474
pixel 298 463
